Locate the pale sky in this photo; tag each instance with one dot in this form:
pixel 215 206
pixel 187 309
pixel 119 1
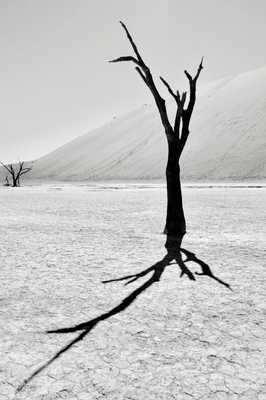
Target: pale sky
pixel 57 84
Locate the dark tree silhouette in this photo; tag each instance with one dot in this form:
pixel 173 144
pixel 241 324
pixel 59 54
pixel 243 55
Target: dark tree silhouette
pixel 16 174
pixel 176 138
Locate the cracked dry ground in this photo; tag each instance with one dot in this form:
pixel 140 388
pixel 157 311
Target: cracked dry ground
pixel 179 339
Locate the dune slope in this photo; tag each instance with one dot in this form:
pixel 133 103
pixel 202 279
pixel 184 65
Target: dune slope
pixel 227 140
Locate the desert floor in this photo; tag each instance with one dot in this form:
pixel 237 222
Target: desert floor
pixel 137 338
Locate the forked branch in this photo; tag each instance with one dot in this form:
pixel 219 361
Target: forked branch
pixel 187 113
pixel 192 86
pixel 197 75
pixel 144 71
pixel 23 170
pixel 180 105
pixel 132 44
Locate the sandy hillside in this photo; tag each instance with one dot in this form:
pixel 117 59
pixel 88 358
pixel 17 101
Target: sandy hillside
pixel 227 140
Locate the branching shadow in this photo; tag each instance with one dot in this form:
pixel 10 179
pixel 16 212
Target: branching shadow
pixel 205 267
pixel 173 256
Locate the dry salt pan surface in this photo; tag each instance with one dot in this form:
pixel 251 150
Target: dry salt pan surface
pixel 174 338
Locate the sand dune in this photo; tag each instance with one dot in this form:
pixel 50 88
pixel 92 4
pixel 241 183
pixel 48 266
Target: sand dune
pixel 227 140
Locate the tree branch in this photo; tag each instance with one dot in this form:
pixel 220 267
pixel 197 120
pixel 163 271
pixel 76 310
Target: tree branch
pixel 146 75
pixel 6 167
pixel 125 58
pixel 25 170
pixel 188 76
pixel 199 70
pixel 20 167
pixel 179 112
pixel 132 44
pixel 186 115
pixel 192 85
pixel 176 97
pixel 142 75
pixel 194 80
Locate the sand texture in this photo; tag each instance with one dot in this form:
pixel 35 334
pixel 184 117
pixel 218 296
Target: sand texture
pixel 175 338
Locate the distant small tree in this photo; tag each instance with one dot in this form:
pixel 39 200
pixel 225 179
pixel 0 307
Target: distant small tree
pixel 16 174
pixel 7 182
pixel 175 227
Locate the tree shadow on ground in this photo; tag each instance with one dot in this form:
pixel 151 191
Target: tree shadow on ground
pixel 173 256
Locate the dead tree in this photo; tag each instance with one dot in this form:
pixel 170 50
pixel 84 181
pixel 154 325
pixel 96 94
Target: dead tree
pixel 176 135
pixel 16 174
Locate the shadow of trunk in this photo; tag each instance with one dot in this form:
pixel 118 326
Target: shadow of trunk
pixel 174 250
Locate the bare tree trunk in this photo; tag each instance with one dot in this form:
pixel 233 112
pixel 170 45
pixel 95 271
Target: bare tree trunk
pixel 14 181
pixel 175 218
